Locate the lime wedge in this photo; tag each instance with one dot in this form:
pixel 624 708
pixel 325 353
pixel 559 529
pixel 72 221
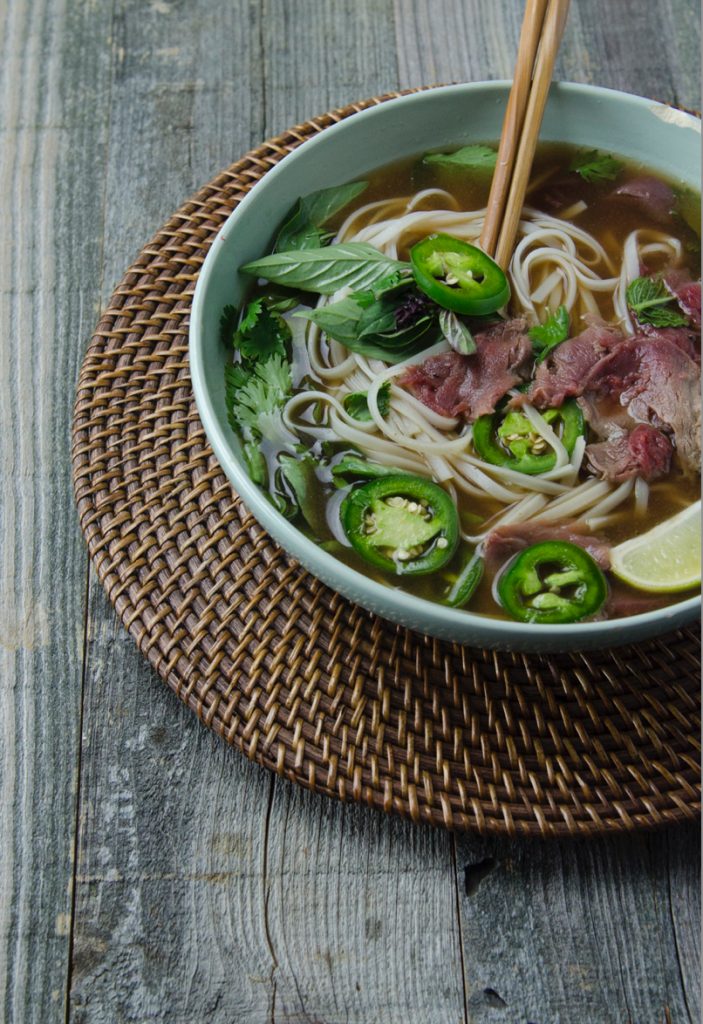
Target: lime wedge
pixel 666 558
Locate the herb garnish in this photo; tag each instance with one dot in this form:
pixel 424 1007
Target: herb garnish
pixel 595 166
pixel 325 271
pixel 456 333
pixel 545 337
pixel 261 332
pixel 302 229
pixel 474 157
pixel 356 403
pixel 391 328
pixel 652 303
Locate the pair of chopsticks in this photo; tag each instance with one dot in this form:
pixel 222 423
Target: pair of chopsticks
pixel 540 36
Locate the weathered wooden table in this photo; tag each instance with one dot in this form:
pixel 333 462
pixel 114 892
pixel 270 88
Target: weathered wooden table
pixel 148 872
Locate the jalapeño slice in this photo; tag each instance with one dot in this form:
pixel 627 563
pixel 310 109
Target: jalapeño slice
pixel 459 276
pixel 552 582
pixel 509 439
pixel 402 524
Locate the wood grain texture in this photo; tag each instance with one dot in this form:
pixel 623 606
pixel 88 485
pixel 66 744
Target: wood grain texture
pixel 589 930
pixel 206 889
pixel 53 138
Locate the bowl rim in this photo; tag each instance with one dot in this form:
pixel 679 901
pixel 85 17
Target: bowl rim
pixel 438 620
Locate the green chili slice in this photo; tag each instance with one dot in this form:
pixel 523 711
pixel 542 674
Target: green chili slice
pixel 459 276
pixel 402 524
pixel 509 439
pixel 552 582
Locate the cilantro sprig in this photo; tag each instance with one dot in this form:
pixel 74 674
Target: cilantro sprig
pixel 593 165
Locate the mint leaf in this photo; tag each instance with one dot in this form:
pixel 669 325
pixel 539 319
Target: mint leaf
pixel 356 404
pixel 474 158
pixel 456 333
pixel 325 271
pixel 545 337
pixel 302 229
pixel 652 303
pixel 595 166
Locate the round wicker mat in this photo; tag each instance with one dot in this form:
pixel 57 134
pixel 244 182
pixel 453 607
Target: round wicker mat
pixel 299 679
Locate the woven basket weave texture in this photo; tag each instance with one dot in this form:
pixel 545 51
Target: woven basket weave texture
pixel 299 679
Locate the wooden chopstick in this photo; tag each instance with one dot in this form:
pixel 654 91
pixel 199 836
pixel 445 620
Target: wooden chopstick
pixel 512 124
pixel 552 31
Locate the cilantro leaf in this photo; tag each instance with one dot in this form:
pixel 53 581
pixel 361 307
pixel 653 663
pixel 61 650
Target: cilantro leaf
pixel 255 397
pixel 261 332
pixel 356 403
pixel 595 166
pixel 652 303
pixel 456 333
pixel 545 337
pixel 474 157
pixel 228 323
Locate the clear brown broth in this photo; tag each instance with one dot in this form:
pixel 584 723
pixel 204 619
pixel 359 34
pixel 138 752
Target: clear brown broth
pixel 609 221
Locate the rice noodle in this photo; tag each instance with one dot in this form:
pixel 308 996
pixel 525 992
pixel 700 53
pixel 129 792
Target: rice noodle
pixel 554 263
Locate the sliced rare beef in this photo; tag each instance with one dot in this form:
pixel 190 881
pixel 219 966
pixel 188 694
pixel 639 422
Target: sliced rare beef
pixel 471 386
pixel 687 293
pixel 653 195
pixel 505 541
pixel 645 452
pixel 652 379
pixel 563 373
pixel 657 382
pixel 687 339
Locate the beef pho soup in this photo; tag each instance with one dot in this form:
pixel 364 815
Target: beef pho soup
pixel 484 440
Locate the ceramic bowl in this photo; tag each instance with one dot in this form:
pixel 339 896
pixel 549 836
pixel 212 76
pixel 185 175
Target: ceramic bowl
pixel 665 139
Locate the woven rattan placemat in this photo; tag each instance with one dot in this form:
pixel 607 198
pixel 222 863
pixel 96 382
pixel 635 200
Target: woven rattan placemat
pixel 295 676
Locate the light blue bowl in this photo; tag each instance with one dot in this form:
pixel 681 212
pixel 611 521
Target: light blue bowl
pixel 665 139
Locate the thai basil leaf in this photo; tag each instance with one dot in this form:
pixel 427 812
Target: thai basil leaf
pixel 471 157
pixel 456 333
pixel 389 286
pixel 378 318
pixel 325 271
pixel 342 321
pixel 652 303
pixel 302 479
pixel 356 404
pixel 302 227
pixel 357 468
pixel 545 337
pixel 595 166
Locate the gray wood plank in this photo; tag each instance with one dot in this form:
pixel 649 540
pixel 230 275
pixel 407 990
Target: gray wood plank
pixel 557 933
pixel 171 869
pixel 361 913
pixel 646 48
pixel 157 913
pixel 52 146
pixel 205 889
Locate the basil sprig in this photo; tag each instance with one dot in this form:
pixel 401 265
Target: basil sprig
pixel 303 228
pixel 391 328
pixel 325 271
